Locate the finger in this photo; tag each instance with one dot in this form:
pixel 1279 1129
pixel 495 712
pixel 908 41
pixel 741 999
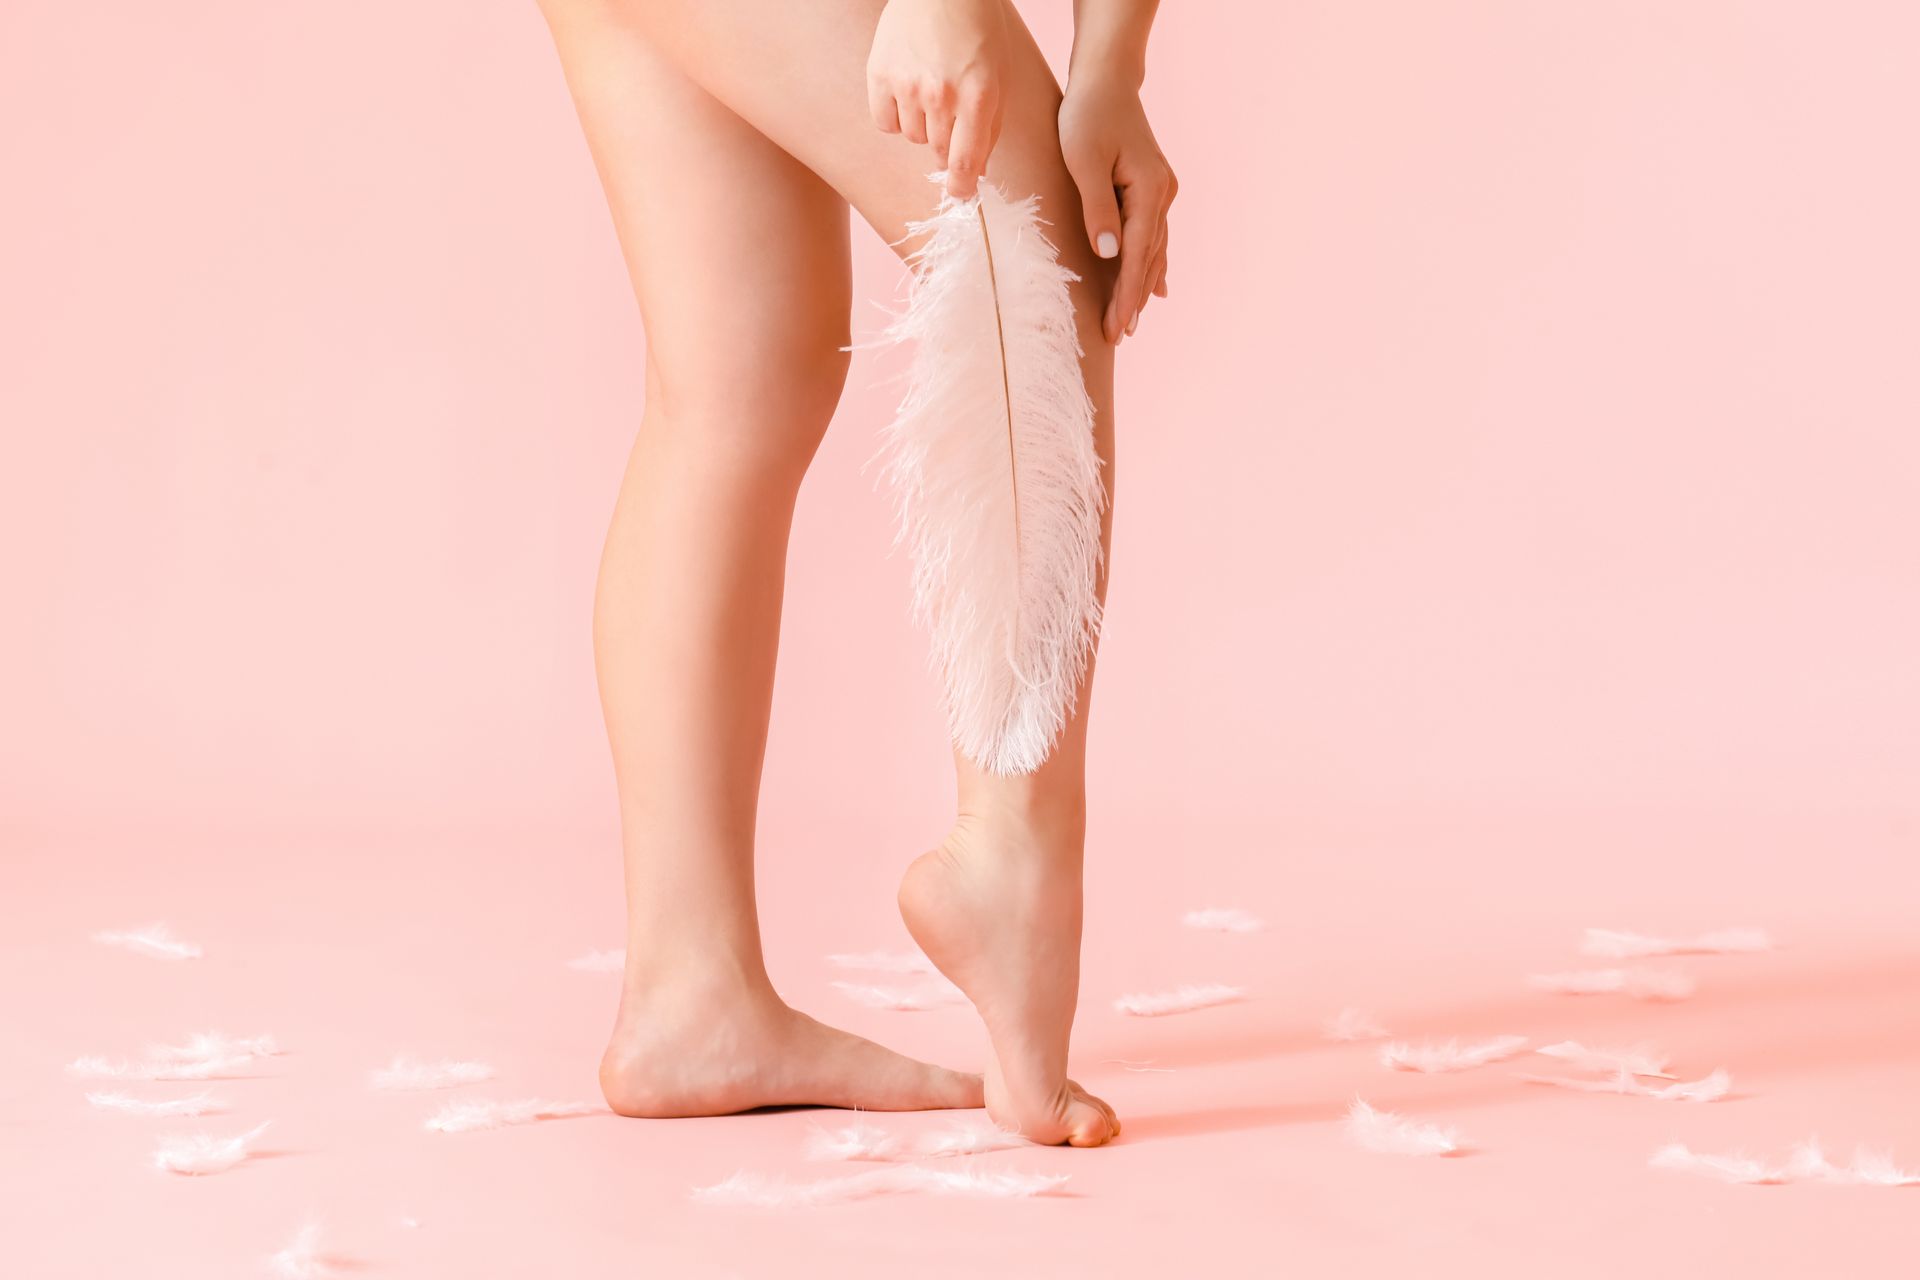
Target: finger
pixel 881 107
pixel 939 131
pixel 1140 215
pixel 1156 269
pixel 913 121
pixel 1100 206
pixel 1156 265
pixel 974 132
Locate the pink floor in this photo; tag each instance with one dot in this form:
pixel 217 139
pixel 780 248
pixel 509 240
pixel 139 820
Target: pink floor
pixel 352 946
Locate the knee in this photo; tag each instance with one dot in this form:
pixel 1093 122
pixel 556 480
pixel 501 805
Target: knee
pixel 769 403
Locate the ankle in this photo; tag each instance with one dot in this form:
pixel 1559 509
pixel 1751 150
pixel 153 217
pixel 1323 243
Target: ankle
pixel 667 981
pixel 1053 829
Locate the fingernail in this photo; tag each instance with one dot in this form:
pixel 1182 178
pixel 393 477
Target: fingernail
pixel 1133 324
pixel 1108 245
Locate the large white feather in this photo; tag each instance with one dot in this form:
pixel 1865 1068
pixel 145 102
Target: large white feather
pixel 991 463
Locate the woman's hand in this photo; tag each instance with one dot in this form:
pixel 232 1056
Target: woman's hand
pixel 935 76
pixel 1125 188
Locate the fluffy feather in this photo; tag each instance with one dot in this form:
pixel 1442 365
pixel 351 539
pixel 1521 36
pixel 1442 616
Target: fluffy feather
pixel 1158 1004
pixel 854 1142
pixel 760 1191
pixel 1451 1056
pixel 215 1044
pixel 968 1138
pixel 1709 1088
pixel 1386 1132
pixel 205 1056
pixel 1638 1061
pixel 883 961
pixel 410 1073
pixel 1223 920
pixel 930 994
pixel 1128 1065
pixel 155 940
pixel 1869 1168
pixel 870 1142
pixel 1641 984
pixel 1805 1163
pixel 201 1153
pixel 470 1114
pixel 599 962
pixel 98 1068
pixel 1735 1168
pixel 1615 944
pixel 199 1104
pixel 301 1259
pixel 991 464
pixel 1354 1024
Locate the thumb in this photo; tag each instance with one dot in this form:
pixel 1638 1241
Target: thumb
pixel 1101 208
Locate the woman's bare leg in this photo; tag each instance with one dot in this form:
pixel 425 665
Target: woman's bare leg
pixel 997 906
pixel 739 258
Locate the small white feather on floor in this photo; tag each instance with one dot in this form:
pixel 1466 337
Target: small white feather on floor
pixel 1709 1088
pixel 1870 1167
pixel 1805 1163
pixel 968 1138
pixel 1638 1060
pixel 153 940
pixel 928 994
pixel 763 1192
pixel 1223 920
pixel 882 961
pixel 1735 1168
pixel 301 1259
pixel 1641 984
pixel 96 1068
pixel 1385 1132
pixel 1617 944
pixel 853 1142
pixel 206 1056
pixel 1203 995
pixel 599 962
pixel 1128 1064
pixel 1450 1056
pixel 861 1141
pixel 411 1073
pixel 1353 1024
pixel 215 1044
pixel 202 1153
pixel 199 1104
pixel 468 1115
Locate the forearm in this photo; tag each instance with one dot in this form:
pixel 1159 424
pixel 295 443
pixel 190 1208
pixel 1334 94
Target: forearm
pixel 1110 39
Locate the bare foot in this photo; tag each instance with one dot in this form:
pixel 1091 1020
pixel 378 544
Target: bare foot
pixel 997 909
pixel 714 1053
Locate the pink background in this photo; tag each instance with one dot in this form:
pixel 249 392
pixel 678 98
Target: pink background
pixel 1517 532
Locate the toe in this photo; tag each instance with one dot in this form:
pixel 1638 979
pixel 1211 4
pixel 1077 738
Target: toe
pixel 1087 1125
pixel 1106 1109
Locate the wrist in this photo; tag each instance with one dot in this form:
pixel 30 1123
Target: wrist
pixel 1114 65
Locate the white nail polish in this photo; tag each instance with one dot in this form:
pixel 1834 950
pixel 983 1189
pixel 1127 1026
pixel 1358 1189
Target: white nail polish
pixel 1108 245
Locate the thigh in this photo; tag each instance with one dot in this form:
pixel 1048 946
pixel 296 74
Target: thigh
pixel 796 71
pixel 738 252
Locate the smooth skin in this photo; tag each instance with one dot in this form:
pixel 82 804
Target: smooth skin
pixel 731 136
